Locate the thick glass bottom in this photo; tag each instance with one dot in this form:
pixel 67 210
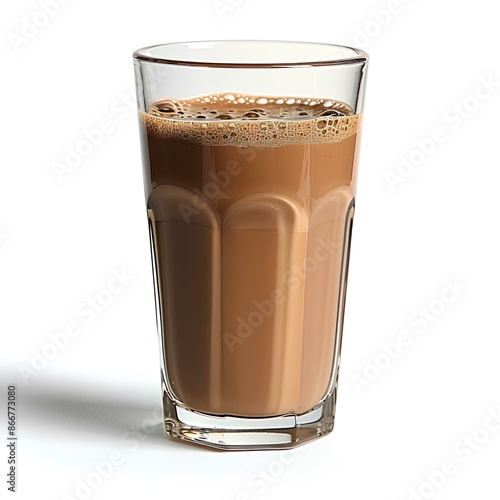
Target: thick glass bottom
pixel 240 433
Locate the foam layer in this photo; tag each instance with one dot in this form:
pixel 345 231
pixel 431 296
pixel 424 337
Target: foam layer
pixel 246 120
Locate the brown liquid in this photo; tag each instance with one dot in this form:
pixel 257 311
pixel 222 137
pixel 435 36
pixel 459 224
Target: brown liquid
pixel 250 201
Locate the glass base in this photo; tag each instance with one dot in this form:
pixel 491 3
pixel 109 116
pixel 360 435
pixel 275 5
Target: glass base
pixel 240 433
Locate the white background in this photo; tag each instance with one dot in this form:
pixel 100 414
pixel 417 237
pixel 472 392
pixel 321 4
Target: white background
pixel 61 240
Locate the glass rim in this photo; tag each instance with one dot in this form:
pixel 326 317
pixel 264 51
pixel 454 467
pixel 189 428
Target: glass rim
pixel 151 54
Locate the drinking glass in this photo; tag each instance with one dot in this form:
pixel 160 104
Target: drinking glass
pixel 250 164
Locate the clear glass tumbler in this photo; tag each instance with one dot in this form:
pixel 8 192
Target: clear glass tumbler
pixel 250 160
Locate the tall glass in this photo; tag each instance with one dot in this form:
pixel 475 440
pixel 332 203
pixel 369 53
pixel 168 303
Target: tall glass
pixel 250 157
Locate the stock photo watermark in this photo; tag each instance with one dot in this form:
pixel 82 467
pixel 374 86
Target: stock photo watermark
pixel 101 471
pixel 90 139
pixel 452 119
pixel 30 26
pixel 378 23
pixel 87 310
pixel 213 190
pixel 293 279
pixel 419 322
pixel 11 439
pixel 462 450
pixel 224 7
pixel 259 481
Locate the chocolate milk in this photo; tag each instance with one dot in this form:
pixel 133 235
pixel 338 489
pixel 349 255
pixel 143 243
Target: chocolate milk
pixel 250 202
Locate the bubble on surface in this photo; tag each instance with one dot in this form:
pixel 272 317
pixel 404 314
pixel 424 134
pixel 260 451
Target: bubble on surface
pixel 233 119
